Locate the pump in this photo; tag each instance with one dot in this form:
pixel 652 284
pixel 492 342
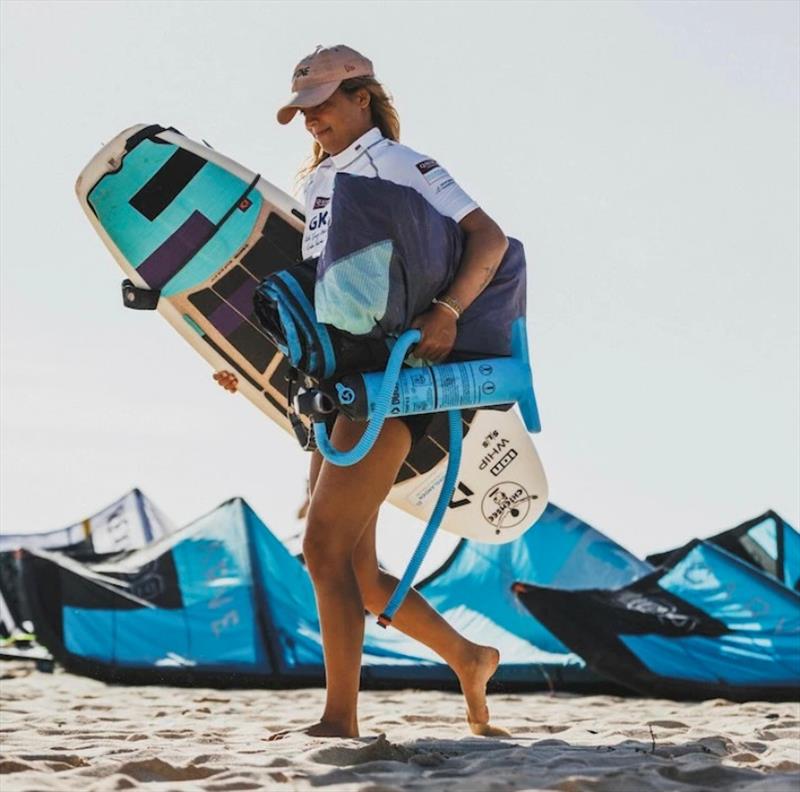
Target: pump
pixel 449 387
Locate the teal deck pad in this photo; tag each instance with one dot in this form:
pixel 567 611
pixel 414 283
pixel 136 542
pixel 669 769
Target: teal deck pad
pixel 212 191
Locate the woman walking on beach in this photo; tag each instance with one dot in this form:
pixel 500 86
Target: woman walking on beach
pixel 356 130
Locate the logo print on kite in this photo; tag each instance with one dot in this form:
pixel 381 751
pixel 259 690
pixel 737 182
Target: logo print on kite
pixel 506 505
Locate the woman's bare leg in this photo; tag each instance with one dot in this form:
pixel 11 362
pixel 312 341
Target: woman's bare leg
pixel 343 502
pixel 472 663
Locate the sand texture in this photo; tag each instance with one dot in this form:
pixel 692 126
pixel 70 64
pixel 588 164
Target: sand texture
pixel 63 732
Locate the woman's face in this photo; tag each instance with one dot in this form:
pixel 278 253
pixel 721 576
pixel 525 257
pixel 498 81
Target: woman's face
pixel 339 120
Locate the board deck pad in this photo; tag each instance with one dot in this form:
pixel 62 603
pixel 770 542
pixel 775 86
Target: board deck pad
pixel 183 219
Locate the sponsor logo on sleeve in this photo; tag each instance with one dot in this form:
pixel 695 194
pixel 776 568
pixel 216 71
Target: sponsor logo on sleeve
pixel 426 166
pixel 434 174
pixel 321 203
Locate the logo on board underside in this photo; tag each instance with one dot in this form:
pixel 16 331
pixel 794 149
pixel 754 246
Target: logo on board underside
pixel 506 505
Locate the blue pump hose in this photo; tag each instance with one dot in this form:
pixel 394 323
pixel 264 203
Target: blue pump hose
pixel 448 486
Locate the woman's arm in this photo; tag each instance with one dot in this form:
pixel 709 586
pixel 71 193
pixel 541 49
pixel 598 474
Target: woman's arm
pixel 484 247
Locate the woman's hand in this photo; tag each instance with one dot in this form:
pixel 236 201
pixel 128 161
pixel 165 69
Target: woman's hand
pixel 438 327
pixel 227 379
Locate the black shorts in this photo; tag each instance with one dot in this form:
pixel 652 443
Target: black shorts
pixel 417 425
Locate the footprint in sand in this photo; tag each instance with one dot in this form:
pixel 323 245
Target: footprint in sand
pixel 786 766
pixel 242 786
pixel 379 750
pixel 434 759
pixel 155 770
pixel 175 734
pixel 551 744
pixel 667 724
pixel 278 761
pixel 123 782
pixel 744 757
pixel 755 747
pixel 69 760
pixel 429 719
pixel 549 728
pixel 12 766
pixel 99 707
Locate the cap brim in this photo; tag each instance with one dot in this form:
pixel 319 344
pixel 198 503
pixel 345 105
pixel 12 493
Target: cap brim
pixel 308 97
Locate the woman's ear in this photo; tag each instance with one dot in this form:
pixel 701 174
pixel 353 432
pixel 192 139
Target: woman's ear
pixel 364 98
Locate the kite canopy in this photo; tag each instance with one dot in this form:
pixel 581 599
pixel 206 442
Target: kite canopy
pixel 223 602
pixel 766 542
pixel 706 625
pixel 474 589
pixel 129 522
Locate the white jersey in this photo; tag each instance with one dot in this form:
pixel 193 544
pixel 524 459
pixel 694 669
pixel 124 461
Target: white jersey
pixel 373 155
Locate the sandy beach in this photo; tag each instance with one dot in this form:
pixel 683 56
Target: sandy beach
pixel 64 732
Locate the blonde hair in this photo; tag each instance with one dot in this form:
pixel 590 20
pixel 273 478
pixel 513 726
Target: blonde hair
pixel 382 109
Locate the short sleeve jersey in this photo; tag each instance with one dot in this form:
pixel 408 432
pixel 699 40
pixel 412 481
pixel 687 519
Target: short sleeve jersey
pixel 373 155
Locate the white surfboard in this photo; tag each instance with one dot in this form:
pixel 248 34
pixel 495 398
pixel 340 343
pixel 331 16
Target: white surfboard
pixel 183 220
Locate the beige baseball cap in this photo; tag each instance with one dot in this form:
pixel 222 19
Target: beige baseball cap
pixel 319 74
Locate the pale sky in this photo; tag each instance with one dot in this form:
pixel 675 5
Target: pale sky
pixel 645 153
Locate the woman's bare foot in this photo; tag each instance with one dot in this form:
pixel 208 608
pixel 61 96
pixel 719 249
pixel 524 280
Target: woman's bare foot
pixel 487 730
pixel 321 729
pixel 474 675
